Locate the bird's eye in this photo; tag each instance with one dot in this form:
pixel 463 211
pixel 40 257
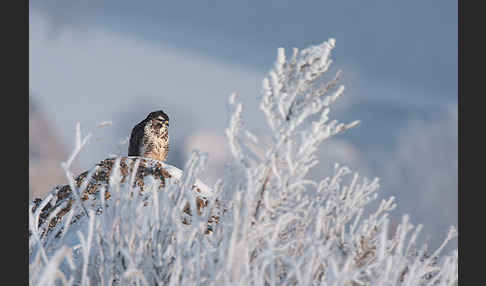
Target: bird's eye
pixel 161 123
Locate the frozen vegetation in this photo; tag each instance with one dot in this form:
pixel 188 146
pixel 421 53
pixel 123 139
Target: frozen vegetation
pixel 274 225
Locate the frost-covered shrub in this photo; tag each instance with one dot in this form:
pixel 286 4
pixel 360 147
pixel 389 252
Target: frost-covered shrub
pixel 275 226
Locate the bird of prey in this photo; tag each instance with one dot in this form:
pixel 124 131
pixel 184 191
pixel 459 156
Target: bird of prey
pixel 150 137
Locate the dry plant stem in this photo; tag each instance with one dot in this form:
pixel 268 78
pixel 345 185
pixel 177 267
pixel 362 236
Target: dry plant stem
pixel 260 200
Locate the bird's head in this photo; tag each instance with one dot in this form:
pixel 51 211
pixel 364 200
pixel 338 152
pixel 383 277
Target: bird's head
pixel 158 123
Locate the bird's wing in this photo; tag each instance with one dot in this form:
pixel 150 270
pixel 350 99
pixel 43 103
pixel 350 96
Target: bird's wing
pixel 136 139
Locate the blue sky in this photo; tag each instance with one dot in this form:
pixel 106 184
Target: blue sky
pixel 115 60
pixel 409 42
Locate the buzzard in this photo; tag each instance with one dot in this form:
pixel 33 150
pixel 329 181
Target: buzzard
pixel 150 137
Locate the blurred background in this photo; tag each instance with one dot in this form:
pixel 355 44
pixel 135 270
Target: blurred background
pixel 93 61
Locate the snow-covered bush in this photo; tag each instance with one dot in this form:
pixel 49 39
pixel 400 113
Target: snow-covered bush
pixel 274 225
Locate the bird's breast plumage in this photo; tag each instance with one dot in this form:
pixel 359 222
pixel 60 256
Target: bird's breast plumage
pixel 155 143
